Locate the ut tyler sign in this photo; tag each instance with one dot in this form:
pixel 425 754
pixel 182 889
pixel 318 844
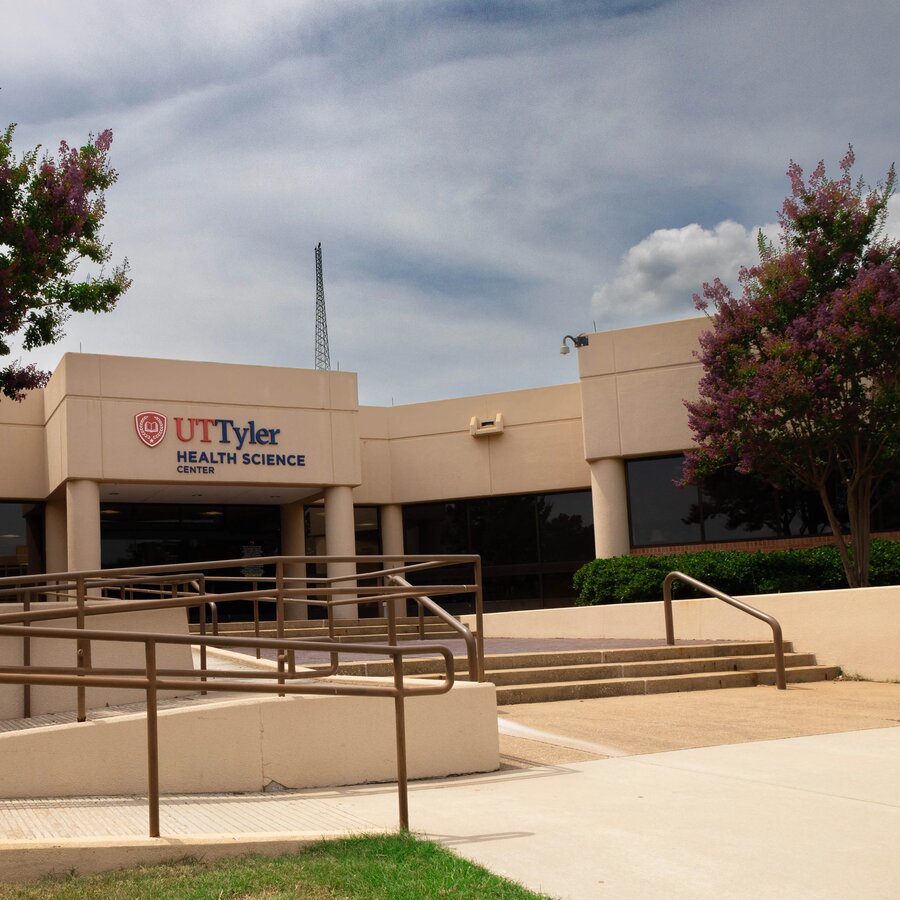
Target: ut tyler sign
pixel 238 443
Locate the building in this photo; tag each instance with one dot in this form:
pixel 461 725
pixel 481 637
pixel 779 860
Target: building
pixel 125 461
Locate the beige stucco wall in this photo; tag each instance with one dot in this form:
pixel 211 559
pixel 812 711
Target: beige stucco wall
pixel 23 466
pixel 856 629
pixel 633 384
pixel 294 741
pixel 629 402
pixel 425 451
pixel 91 402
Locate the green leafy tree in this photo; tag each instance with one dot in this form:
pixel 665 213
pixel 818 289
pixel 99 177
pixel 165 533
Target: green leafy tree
pixel 802 371
pixel 51 213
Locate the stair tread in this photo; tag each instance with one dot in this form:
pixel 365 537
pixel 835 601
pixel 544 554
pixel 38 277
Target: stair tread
pixel 687 659
pixel 790 655
pixel 686 676
pixel 681 676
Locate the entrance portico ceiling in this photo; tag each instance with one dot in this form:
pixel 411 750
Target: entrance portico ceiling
pixel 130 492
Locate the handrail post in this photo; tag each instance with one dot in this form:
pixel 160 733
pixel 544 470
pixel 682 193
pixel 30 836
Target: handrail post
pixel 329 611
pixel 256 617
pixel 81 651
pixel 279 617
pixel 479 619
pixel 399 719
pixel 201 609
pixel 26 656
pixel 152 740
pixel 778 641
pixel 391 612
pixel 402 788
pixel 667 605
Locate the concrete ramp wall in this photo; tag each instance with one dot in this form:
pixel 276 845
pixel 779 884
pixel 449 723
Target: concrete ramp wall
pixel 249 744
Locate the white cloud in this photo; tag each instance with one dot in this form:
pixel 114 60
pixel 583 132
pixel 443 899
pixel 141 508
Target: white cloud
pixel 657 278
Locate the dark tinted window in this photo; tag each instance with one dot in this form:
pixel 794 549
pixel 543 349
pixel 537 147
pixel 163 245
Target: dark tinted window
pixel 566 526
pixel 144 534
pixel 659 511
pixel 21 538
pixel 530 544
pixel 886 508
pixel 729 506
pixel 743 506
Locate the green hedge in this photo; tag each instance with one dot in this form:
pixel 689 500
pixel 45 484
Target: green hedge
pixel 629 579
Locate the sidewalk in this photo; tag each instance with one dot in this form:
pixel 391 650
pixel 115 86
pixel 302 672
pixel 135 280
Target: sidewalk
pixel 814 816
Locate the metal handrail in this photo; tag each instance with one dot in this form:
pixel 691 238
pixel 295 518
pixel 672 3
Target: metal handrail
pixel 777 640
pixel 476 661
pixel 65 588
pixel 175 586
pixel 152 680
pixel 433 561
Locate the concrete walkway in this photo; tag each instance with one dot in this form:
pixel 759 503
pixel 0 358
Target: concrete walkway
pixel 814 816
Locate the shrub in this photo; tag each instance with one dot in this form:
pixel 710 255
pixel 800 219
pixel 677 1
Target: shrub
pixel 631 579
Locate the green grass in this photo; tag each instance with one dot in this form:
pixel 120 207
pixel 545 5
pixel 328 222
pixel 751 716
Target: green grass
pixel 398 867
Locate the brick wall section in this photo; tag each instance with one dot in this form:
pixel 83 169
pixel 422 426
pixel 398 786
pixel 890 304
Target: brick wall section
pixel 794 543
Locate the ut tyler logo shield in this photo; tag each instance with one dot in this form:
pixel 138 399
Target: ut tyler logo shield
pixel 150 427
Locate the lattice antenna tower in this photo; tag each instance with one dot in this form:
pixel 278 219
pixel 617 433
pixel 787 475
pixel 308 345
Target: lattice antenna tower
pixel 323 355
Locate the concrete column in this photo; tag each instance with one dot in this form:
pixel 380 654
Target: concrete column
pixel 83 524
pixel 610 501
pixel 293 543
pixel 392 540
pixel 340 540
pixel 56 551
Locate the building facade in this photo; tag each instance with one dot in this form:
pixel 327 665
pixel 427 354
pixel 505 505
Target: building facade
pixel 125 461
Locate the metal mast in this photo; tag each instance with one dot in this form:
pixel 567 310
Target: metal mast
pixel 323 356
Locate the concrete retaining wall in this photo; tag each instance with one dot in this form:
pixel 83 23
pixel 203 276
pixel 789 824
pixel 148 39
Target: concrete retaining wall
pixel 858 630
pixel 246 744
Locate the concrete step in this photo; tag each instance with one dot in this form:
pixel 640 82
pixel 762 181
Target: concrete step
pixel 574 675
pixel 613 687
pixel 629 654
pixel 580 674
pixel 654 668
pixel 565 658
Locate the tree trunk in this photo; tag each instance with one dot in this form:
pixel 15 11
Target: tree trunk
pixel 859 508
pixel 846 561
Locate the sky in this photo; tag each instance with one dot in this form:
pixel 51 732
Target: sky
pixel 484 177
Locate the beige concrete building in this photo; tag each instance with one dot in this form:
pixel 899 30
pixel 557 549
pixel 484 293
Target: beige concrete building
pixel 126 461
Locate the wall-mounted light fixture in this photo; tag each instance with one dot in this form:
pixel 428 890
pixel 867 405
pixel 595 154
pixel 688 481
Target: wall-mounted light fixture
pixel 580 340
pixel 479 427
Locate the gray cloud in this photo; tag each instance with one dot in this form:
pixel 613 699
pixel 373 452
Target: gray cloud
pixel 474 171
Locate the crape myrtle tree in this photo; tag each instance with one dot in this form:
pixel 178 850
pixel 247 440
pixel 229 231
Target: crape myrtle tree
pixel 801 372
pixel 51 212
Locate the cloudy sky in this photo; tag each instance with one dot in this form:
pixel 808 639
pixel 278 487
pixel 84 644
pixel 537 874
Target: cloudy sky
pixel 484 177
